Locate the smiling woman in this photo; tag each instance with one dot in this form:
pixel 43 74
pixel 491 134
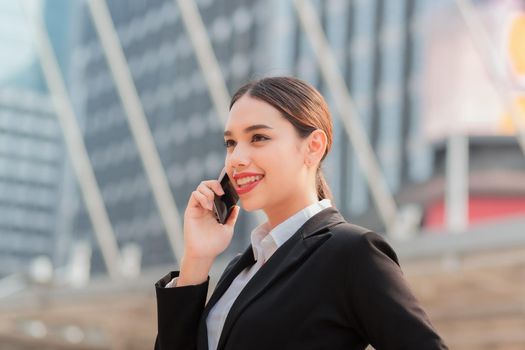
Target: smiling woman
pixel 309 279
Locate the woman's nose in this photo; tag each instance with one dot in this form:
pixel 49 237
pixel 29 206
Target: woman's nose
pixel 239 157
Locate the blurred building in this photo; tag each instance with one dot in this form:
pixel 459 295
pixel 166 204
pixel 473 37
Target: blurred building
pixel 378 44
pixel 421 90
pixel 31 152
pixel 186 128
pixel 31 161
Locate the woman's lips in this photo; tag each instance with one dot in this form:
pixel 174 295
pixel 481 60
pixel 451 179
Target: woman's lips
pixel 247 188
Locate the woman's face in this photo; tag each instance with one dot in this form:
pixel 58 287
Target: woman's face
pixel 264 157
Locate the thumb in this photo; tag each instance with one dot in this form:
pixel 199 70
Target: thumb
pixel 233 217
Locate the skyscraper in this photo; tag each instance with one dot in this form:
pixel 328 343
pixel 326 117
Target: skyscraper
pixel 31 151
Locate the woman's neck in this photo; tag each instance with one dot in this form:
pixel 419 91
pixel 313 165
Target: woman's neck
pixel 279 212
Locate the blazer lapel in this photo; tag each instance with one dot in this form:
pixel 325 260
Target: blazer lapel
pixel 292 253
pixel 246 259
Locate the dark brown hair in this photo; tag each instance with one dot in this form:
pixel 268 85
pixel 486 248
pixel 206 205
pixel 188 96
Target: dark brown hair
pixel 299 103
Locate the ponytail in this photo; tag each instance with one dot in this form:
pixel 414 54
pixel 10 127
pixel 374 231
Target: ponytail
pixel 323 190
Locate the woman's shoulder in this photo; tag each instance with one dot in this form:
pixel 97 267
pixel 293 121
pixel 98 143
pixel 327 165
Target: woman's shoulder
pixel 350 233
pixel 359 241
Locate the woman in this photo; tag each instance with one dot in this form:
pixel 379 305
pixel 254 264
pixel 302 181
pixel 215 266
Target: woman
pixel 309 280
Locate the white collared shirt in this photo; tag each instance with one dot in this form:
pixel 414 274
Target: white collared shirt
pixel 264 244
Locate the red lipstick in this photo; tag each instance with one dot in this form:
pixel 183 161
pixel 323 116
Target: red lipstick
pixel 246 188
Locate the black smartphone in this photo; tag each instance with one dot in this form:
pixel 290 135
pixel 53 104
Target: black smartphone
pixel 223 205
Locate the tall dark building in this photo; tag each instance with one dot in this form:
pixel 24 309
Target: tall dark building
pixel 377 43
pixel 184 124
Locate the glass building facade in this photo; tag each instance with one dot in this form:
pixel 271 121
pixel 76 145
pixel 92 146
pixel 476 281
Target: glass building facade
pixel 376 44
pixel 184 124
pixel 31 162
pixel 379 47
pixel 31 151
pixel 414 75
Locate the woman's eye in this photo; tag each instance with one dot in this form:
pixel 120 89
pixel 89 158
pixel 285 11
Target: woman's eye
pixel 257 137
pixel 229 143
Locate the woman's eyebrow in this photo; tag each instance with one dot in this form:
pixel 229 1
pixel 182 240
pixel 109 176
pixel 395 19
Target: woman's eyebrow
pixel 250 128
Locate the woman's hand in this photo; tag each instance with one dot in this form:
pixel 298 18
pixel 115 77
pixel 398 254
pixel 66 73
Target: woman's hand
pixel 204 237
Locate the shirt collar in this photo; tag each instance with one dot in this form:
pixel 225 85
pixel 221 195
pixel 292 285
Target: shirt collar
pixel 265 241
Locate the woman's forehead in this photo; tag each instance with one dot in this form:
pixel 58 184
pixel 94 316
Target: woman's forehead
pixel 247 106
pixel 248 112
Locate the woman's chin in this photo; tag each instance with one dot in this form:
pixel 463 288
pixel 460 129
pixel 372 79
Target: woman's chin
pixel 249 206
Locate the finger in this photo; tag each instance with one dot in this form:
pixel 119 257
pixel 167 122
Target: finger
pixel 215 186
pixel 233 217
pixel 203 201
pixel 205 190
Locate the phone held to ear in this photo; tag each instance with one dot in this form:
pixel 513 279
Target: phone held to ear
pixel 223 205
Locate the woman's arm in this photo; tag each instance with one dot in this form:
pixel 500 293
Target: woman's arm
pixel 179 308
pixel 179 312
pixel 387 313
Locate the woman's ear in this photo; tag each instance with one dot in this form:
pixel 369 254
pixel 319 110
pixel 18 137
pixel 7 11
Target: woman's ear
pixel 315 147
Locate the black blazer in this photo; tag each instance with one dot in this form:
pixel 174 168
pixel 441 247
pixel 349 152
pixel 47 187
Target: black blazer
pixel 332 285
